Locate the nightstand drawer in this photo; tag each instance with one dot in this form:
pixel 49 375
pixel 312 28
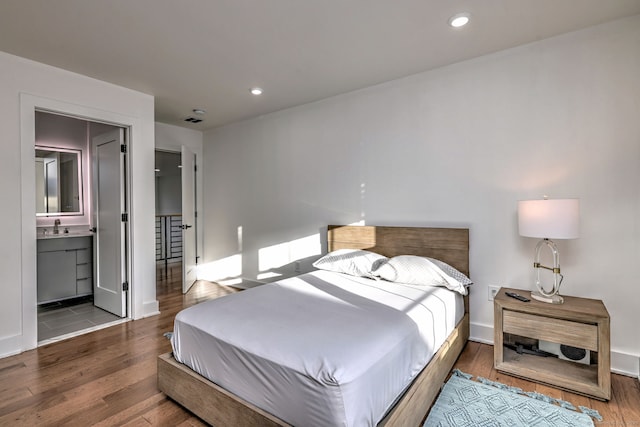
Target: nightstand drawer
pixel 566 332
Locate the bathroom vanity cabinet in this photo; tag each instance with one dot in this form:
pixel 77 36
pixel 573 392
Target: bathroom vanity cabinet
pixel 65 267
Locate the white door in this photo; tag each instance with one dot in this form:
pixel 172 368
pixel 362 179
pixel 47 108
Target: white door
pixel 109 207
pixel 189 252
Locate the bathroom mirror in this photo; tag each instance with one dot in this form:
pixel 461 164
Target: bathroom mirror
pixel 58 181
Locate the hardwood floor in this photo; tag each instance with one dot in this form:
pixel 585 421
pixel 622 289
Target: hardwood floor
pixel 108 377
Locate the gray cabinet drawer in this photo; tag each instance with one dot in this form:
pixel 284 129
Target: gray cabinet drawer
pixel 84 286
pixel 83 256
pixel 64 243
pixel 83 271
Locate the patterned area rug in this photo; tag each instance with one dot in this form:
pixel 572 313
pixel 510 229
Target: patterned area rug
pixel 464 402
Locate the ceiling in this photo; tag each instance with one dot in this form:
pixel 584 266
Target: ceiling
pixel 207 54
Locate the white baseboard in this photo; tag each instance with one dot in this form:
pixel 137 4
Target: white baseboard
pixel 621 363
pixel 10 345
pixel 149 309
pixel 481 333
pixel 625 364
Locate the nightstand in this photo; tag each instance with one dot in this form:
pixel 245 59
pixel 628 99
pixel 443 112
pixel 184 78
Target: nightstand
pixel 580 323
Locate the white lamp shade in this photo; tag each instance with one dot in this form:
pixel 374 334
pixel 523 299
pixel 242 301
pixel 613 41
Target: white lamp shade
pixel 549 219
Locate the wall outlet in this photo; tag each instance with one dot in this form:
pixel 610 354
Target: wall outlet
pixel 493 291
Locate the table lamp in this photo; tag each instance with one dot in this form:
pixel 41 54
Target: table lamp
pixel 548 219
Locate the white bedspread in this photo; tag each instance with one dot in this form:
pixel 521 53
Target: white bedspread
pixel 321 349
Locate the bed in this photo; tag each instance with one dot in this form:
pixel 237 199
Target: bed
pixel 222 406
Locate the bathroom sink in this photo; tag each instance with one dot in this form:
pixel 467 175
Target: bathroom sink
pixel 71 233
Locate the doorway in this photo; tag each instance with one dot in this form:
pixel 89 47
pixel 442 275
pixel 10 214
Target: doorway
pixel 168 222
pixel 82 262
pixel 175 224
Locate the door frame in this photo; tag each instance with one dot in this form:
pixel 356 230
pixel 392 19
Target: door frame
pixel 171 138
pixel 196 228
pixel 29 104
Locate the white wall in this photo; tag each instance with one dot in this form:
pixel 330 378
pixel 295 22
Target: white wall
pixel 456 146
pixel 172 138
pixel 24 85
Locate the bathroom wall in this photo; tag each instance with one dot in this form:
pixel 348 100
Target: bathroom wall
pixel 54 130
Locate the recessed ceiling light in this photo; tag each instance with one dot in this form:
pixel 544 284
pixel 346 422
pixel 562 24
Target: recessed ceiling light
pixel 199 111
pixel 255 91
pixel 459 20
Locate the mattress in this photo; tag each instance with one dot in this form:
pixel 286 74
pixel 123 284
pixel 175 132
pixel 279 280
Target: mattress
pixel 320 349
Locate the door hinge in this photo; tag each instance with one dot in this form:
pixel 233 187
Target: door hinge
pixel 123 148
pixel 125 286
pixel 125 217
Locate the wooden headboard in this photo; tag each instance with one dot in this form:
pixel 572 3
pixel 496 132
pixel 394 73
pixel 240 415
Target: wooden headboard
pixel 450 245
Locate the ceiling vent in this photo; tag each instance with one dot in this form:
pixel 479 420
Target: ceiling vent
pixel 192 120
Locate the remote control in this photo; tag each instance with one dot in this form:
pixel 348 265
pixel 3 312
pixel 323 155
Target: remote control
pixel 517 296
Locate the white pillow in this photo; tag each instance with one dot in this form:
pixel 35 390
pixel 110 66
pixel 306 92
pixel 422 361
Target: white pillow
pixel 450 271
pixel 355 262
pixel 416 270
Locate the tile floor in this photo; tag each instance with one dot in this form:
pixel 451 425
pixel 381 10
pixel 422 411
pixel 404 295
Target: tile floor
pixel 69 316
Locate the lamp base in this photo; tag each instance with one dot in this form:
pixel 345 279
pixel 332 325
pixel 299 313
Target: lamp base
pixel 554 299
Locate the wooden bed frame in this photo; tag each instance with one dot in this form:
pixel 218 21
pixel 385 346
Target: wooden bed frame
pixel 219 407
